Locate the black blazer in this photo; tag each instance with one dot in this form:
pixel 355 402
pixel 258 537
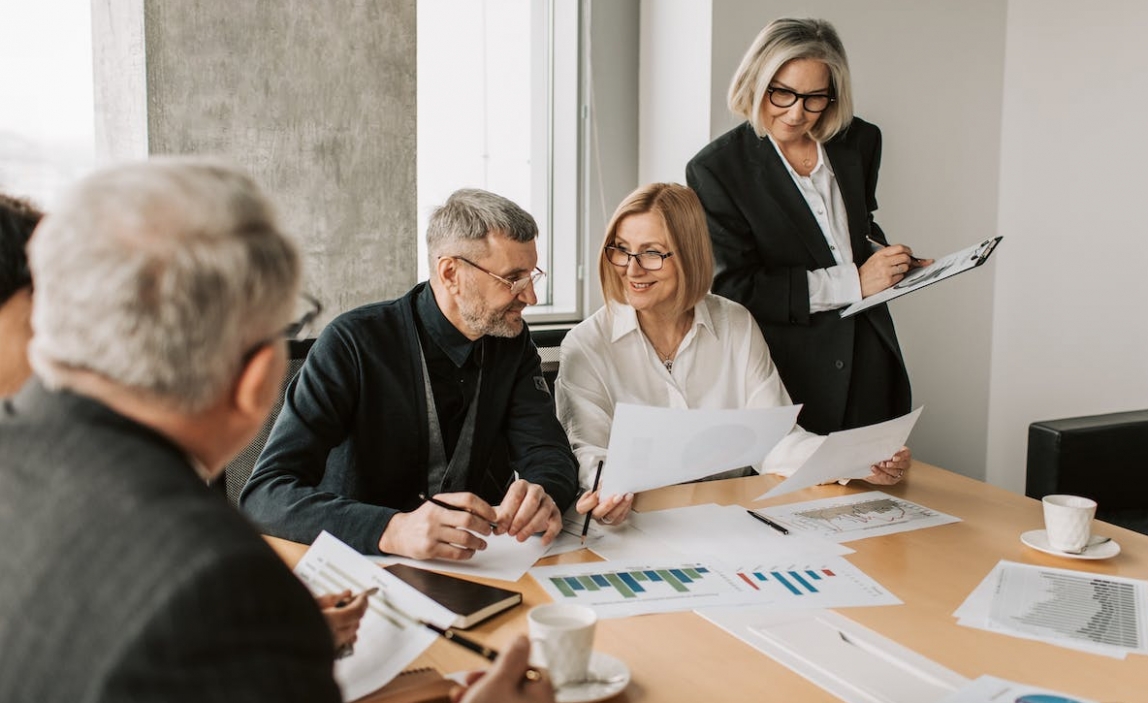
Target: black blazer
pixel 765 240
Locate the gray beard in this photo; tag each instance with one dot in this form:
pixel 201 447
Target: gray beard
pixel 489 322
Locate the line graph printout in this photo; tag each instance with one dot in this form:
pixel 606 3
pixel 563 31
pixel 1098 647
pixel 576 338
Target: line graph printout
pixel 1092 612
pixel 845 518
pixel 386 642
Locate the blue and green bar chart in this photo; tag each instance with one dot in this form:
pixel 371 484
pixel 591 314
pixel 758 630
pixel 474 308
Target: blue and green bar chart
pixel 629 584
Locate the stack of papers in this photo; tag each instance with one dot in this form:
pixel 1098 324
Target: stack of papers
pixel 1091 612
pixel 386 643
pixel 989 689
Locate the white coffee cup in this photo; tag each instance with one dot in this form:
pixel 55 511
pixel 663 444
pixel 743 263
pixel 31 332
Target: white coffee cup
pixel 1068 521
pixel 562 638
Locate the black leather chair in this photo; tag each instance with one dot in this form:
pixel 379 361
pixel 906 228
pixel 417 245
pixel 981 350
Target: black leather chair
pixel 1103 457
pixel 236 473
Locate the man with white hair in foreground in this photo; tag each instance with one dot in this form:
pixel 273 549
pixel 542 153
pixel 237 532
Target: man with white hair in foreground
pixel 162 293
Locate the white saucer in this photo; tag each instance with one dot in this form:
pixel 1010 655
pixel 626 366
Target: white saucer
pixel 1038 540
pixel 602 666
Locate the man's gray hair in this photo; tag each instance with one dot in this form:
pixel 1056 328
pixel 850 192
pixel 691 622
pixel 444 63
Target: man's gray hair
pixel 160 276
pixel 460 225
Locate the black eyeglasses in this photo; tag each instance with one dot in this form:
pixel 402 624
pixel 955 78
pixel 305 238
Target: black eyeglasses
pixel 817 102
pixel 299 329
pixel 516 285
pixel 647 260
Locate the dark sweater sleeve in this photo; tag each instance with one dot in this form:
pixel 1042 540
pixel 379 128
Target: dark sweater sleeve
pixel 539 449
pixel 284 495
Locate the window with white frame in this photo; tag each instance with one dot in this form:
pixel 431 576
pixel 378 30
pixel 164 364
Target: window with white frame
pixel 498 110
pixel 46 113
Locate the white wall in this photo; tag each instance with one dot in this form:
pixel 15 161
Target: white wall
pixel 1070 335
pixel 674 111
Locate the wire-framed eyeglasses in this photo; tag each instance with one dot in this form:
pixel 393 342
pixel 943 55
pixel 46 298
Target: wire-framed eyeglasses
pixel 648 260
pixel 515 285
pixel 816 102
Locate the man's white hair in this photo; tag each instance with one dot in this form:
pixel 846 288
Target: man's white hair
pixel 160 276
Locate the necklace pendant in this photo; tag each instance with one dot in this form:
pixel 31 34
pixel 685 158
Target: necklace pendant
pixel 669 364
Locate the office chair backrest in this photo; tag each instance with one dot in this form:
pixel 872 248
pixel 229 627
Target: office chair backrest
pixel 549 342
pixel 236 473
pixel 1103 457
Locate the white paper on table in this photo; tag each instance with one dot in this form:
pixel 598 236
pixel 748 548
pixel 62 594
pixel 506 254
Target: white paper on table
pixel 656 585
pixel 849 454
pixel 655 447
pixel 505 558
pixel 990 689
pixel 1093 613
pixel 570 538
pixel 386 643
pixel 849 660
pixel 729 534
pixel 855 516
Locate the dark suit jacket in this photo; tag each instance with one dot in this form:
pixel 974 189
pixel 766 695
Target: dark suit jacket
pixel 349 449
pixel 765 240
pixel 124 578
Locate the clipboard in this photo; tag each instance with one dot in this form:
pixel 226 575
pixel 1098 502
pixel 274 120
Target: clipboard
pixel 945 267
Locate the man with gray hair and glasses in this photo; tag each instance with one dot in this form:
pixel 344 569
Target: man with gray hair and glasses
pixel 418 426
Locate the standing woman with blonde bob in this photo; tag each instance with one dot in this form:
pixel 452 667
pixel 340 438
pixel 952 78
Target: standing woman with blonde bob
pixel 789 197
pixel 663 340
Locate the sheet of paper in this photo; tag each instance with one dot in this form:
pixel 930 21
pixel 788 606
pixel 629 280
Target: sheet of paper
pixel 505 558
pixel 990 689
pixel 849 454
pixel 846 659
pixel 570 538
pixel 939 270
pixel 620 589
pixel 386 642
pixel 846 518
pixel 655 447
pixel 1091 612
pixel 727 533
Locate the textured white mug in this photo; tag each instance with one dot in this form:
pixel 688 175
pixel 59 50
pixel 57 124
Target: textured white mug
pixel 1068 521
pixel 562 638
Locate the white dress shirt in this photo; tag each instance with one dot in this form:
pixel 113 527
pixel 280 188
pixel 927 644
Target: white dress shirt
pixel 839 285
pixel 722 363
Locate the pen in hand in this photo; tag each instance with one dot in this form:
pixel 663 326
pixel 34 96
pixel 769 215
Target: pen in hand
pixel 915 259
pixel 448 506
pixel 590 513
pixel 771 523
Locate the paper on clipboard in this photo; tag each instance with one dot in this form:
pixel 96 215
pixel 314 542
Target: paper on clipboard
pixel 939 270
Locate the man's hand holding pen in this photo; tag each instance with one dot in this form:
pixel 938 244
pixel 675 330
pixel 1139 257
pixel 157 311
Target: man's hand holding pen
pixel 447 526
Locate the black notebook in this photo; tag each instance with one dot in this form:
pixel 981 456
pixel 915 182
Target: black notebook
pixel 471 602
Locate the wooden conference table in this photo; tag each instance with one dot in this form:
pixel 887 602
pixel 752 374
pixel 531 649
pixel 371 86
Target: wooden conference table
pixel 681 657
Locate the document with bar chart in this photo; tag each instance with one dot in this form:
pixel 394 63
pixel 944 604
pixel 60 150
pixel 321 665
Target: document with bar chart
pixel 619 589
pixel 845 518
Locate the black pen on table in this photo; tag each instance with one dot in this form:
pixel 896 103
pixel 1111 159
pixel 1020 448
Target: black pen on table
pixel 916 259
pixel 590 513
pixel 771 523
pixel 448 506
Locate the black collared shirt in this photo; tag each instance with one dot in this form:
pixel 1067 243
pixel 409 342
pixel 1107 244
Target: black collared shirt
pixel 453 362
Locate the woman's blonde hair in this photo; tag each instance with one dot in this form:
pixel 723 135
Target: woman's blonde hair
pixel 782 41
pixel 685 221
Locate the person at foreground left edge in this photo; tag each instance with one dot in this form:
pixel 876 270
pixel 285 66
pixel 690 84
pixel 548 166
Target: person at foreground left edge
pixel 439 393
pixel 161 288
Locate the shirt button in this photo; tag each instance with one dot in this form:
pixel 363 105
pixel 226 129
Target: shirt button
pixel 832 248
pixel 839 364
pixel 820 211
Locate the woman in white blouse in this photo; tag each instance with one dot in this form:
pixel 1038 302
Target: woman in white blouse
pixel 662 340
